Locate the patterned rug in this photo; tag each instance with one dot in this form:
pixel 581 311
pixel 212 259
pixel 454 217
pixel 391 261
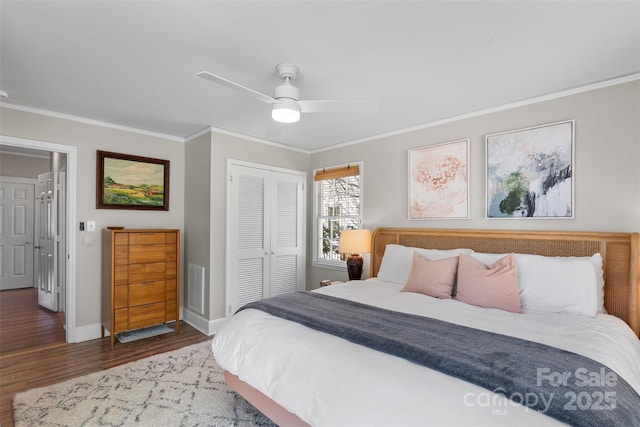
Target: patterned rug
pixel 179 388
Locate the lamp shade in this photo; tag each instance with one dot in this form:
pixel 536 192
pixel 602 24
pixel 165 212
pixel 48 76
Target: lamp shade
pixel 286 111
pixel 355 241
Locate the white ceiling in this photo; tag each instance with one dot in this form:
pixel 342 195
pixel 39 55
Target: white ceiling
pixel 133 64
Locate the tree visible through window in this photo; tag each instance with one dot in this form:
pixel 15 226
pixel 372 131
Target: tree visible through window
pixel 338 209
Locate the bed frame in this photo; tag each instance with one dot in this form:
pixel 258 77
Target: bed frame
pixel 620 253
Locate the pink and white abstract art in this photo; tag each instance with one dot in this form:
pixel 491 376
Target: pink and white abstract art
pixel 439 181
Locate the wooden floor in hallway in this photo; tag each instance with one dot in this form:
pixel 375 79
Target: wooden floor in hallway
pixel 33 351
pixel 24 325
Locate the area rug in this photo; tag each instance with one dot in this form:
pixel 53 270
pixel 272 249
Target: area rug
pixel 179 388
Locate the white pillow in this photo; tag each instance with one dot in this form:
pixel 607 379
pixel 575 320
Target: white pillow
pixel 596 261
pixel 397 260
pixel 557 284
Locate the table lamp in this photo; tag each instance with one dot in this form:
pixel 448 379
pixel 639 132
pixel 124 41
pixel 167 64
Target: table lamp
pixel 354 243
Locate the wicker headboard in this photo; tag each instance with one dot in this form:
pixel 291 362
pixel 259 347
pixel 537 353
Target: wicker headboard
pixel 619 252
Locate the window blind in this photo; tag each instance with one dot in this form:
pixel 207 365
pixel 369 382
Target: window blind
pixel 339 172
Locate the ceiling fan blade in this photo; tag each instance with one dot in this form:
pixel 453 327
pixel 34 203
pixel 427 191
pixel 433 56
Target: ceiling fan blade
pixel 363 106
pixel 228 83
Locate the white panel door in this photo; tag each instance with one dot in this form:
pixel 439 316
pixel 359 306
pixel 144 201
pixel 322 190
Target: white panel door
pixel 265 234
pixel 47 241
pixel 16 234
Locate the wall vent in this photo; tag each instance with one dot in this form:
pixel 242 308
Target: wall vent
pixel 195 296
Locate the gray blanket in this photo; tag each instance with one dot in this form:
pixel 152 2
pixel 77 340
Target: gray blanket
pixel 564 385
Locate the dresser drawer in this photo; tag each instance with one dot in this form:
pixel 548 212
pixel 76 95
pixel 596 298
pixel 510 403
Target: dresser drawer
pixel 121 296
pixel 171 269
pixel 121 275
pixel 139 273
pixel 146 293
pixel 121 320
pixel 146 315
pixel 172 289
pixel 172 237
pixel 146 238
pixel 121 255
pixel 172 252
pixel 171 310
pixel 147 253
pixel 121 239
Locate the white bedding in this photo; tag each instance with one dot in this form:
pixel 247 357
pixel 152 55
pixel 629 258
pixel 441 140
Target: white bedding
pixel 328 381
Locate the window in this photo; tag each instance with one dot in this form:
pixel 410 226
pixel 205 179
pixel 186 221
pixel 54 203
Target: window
pixel 338 194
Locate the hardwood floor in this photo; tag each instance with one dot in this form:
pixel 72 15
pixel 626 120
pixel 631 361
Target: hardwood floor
pixel 33 352
pixel 23 325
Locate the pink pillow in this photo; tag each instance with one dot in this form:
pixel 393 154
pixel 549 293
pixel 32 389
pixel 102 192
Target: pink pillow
pixel 493 287
pixel 433 278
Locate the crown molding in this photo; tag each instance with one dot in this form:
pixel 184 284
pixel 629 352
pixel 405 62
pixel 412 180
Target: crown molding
pixel 535 100
pixel 84 120
pixel 212 129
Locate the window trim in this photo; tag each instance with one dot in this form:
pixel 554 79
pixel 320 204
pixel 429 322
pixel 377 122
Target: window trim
pixel 316 260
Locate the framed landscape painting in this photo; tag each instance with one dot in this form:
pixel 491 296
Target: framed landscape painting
pixel 439 181
pixel 131 182
pixel 530 172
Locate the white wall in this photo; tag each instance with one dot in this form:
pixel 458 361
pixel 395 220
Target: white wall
pixel 228 147
pixel 88 138
pixel 197 215
pixel 607 172
pixel 23 166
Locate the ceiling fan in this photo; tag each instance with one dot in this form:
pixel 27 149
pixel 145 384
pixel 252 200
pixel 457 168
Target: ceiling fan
pixel 286 102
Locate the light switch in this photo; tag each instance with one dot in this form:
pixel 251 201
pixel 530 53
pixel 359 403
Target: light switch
pixel 91 226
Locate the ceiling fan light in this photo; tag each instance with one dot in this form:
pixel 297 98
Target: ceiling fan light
pixel 287 111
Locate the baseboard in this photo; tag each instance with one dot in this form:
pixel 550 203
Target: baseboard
pixel 206 326
pixel 89 332
pixel 94 331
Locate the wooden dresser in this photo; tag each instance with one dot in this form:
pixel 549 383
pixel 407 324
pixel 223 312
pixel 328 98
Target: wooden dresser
pixel 140 279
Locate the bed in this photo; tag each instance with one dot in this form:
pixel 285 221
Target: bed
pixel 300 375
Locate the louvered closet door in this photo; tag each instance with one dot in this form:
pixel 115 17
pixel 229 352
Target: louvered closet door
pixel 265 235
pixel 247 265
pixel 287 254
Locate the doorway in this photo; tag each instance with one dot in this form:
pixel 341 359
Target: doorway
pixel 67 238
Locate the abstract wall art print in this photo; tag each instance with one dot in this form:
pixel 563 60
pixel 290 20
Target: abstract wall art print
pixel 124 181
pixel 530 172
pixel 439 181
